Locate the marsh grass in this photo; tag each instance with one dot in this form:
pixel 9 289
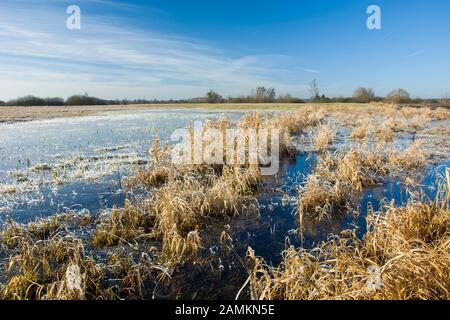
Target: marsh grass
pixel 360 132
pixel 324 138
pixel 38 269
pixel 184 196
pixel 337 177
pixel 9 189
pixel 147 239
pixel 410 160
pixel 404 255
pixel 123 226
pixel 384 133
pixel 134 272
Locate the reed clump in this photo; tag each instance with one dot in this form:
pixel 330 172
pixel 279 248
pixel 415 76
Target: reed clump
pixel 340 176
pixel 15 234
pixel 8 189
pixel 52 268
pixel 133 272
pixel 337 177
pixel 324 138
pixel 321 197
pixel 181 207
pixel 360 132
pixel 299 120
pixel 404 255
pixel 384 133
pixel 124 225
pixel 176 211
pixel 412 159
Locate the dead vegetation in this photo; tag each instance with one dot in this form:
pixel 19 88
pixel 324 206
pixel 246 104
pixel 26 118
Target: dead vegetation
pixel 337 178
pixel 325 136
pixel 146 239
pixel 41 261
pixel 404 255
pixel 349 170
pixel 183 196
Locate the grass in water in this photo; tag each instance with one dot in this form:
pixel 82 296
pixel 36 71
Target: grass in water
pixel 404 255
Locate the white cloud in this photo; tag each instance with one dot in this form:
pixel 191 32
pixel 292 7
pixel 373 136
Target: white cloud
pixel 314 71
pixel 40 56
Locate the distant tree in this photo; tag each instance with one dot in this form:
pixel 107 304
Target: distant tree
pixel 270 94
pixel 260 94
pixel 213 97
pixel 264 94
pixel 56 101
pixel 2 103
pixel 364 95
pixel 314 91
pixel 85 100
pixel 27 101
pixel 399 96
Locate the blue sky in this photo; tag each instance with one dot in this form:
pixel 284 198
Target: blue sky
pixel 181 49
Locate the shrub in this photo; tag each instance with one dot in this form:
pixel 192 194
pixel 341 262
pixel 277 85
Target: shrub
pixel 399 96
pixel 213 97
pixel 84 100
pixel 364 95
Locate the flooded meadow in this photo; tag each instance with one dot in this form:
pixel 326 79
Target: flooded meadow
pixel 96 199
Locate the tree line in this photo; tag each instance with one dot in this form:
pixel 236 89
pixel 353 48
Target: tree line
pixel 360 95
pixel 79 100
pixel 260 95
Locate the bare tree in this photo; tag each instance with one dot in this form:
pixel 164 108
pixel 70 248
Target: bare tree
pixel 364 94
pixel 260 93
pixel 270 94
pixel 264 94
pixel 314 91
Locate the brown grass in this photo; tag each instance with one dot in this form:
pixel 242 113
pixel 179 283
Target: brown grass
pixel 324 138
pixel 412 159
pixel 337 177
pixel 403 256
pixel 409 245
pixel 38 269
pixel 360 132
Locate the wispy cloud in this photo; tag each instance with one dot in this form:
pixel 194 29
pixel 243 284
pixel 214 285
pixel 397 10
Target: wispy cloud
pixel 416 53
pixel 314 71
pixel 113 60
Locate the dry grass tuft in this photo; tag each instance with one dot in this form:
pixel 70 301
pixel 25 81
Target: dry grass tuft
pixel 360 132
pixel 324 137
pixel 337 178
pixel 177 210
pixel 123 226
pixel 384 133
pixel 8 189
pixel 413 158
pixel 44 269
